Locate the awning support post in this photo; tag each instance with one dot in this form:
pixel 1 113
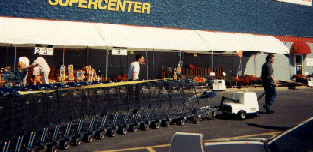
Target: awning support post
pixel 147 64
pixel 106 64
pixel 63 55
pixel 14 57
pixel 212 61
pixel 254 65
pixel 63 62
pixel 6 60
pixel 87 56
pixel 180 57
pixel 153 64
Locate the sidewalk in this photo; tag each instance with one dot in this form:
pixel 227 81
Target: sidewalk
pixel 282 85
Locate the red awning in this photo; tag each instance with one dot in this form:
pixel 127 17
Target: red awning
pixel 294 39
pixel 300 47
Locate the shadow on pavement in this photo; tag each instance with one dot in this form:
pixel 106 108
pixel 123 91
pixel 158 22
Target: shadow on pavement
pixel 268 127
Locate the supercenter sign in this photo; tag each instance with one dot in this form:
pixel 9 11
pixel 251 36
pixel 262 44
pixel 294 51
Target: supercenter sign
pixel 110 5
pixel 301 2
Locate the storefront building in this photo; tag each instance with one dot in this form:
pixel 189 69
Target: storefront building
pixel 288 22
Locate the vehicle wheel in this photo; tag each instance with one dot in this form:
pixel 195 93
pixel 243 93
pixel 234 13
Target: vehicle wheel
pixel 224 115
pixel 76 141
pixel 100 135
pixel 214 114
pixel 134 128
pixel 182 121
pixel 242 115
pixel 112 132
pixel 123 130
pixel 64 145
pixel 257 113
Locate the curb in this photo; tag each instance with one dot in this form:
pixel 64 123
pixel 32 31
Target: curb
pixel 261 88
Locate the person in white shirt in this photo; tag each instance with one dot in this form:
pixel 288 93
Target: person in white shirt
pixel 24 60
pixel 44 68
pixel 134 68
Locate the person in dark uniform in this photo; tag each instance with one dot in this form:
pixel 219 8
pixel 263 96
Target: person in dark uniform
pixel 269 83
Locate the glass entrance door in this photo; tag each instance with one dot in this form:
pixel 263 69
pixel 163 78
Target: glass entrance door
pixel 299 63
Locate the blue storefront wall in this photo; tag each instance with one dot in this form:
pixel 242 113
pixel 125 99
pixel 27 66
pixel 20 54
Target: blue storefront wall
pixel 242 16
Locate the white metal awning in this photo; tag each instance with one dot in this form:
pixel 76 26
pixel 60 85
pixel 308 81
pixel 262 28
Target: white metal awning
pixel 28 32
pixel 243 42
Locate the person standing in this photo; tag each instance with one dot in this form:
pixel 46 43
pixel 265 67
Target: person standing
pixel 44 68
pixel 36 73
pixel 269 83
pixel 24 60
pixel 134 68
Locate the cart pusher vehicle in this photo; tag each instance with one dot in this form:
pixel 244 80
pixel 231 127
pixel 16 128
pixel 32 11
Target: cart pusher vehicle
pixel 243 104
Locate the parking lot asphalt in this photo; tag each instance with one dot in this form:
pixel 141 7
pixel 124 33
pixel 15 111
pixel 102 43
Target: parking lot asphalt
pixel 291 107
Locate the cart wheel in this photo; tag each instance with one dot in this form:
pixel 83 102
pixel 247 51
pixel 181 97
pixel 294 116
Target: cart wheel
pixel 100 135
pixel 214 114
pixel 166 123
pixel 242 115
pixel 76 141
pixel 64 145
pixel 42 147
pixel 123 130
pixel 112 132
pixel 156 124
pixel 87 138
pixel 182 121
pixel 197 119
pixel 52 149
pixel 56 143
pixel 30 150
pixel 145 126
pixel 134 128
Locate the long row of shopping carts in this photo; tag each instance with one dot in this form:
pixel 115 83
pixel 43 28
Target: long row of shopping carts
pixel 48 120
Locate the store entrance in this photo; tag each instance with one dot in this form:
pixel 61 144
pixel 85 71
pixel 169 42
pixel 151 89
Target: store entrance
pixel 299 63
